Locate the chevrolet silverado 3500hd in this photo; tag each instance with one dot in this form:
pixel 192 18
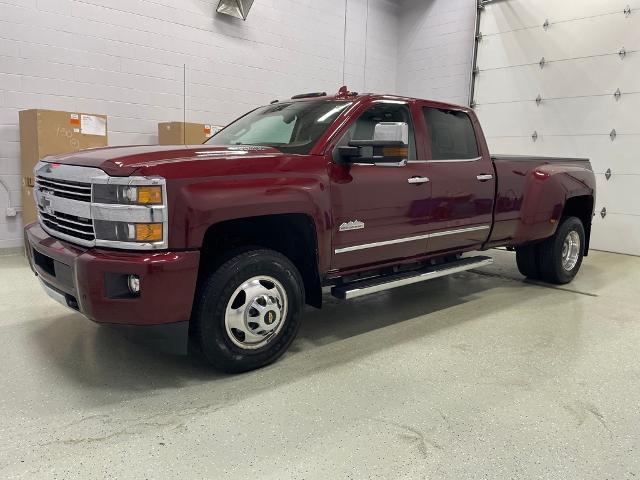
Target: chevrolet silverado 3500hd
pixel 359 192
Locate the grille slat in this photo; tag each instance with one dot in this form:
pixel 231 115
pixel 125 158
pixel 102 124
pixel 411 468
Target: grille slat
pixel 64 183
pixel 56 225
pixel 83 222
pixel 43 186
pixel 67 225
pixel 65 189
pixel 59 218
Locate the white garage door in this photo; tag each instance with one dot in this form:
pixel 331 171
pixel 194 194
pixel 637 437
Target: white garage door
pixel 573 55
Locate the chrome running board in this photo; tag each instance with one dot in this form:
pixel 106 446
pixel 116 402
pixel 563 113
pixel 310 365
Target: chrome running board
pixel 387 282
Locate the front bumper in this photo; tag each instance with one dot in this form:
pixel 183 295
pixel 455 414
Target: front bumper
pixel 83 279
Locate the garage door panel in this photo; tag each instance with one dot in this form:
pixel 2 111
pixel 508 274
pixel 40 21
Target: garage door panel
pixel 616 233
pixel 517 14
pixel 590 115
pixel 579 77
pixel 622 156
pixel 619 194
pixel 591 36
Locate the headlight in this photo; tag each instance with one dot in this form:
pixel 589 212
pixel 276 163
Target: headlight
pixel 130 213
pixel 128 194
pixel 129 232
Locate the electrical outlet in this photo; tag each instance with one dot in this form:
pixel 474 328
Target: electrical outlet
pixel 11 212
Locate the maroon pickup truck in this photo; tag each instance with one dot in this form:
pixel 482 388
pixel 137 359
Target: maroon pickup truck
pixel 360 193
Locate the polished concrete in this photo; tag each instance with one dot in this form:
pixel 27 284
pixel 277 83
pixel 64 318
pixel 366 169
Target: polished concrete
pixel 481 375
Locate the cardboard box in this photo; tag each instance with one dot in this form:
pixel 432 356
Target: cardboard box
pixel 50 132
pixel 180 133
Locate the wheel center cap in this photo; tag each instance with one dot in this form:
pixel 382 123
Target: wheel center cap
pixel 270 317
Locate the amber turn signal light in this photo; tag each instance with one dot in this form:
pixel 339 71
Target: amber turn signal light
pixel 151 195
pixel 395 152
pixel 148 232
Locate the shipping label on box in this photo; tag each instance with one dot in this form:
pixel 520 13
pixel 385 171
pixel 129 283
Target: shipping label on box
pixel 210 130
pixel 93 125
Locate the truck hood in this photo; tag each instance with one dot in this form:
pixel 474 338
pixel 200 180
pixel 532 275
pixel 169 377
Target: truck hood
pixel 124 161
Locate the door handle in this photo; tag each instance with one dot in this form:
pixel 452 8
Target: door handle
pixel 483 177
pixel 417 180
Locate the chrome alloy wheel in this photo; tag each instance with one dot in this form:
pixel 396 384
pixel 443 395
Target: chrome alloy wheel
pixel 256 312
pixel 570 250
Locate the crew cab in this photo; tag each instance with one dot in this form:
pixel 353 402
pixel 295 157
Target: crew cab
pixel 360 193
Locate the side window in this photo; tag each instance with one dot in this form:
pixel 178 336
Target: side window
pixel 363 127
pixel 451 134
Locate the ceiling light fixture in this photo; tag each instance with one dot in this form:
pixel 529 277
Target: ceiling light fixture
pixel 235 8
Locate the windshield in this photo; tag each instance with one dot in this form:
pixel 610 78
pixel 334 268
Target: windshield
pixel 292 127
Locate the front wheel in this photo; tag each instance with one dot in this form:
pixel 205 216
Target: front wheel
pixel 247 312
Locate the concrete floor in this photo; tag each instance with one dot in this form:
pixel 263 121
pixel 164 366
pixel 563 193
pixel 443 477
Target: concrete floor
pixel 481 375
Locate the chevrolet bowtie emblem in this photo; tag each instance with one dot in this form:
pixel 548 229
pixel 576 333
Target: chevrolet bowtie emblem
pixel 270 318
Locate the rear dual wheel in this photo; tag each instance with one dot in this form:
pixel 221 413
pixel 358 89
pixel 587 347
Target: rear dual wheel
pixel 556 259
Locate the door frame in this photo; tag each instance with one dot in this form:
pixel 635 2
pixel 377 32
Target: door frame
pixel 483 159
pixel 419 138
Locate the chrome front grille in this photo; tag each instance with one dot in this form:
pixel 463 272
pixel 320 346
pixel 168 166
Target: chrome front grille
pixel 63 198
pixel 64 223
pixel 71 225
pixel 80 191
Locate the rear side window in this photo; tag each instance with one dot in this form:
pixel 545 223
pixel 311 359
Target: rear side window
pixel 451 134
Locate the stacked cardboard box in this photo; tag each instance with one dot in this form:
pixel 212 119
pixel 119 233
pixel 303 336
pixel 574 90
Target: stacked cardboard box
pixel 50 132
pixel 180 133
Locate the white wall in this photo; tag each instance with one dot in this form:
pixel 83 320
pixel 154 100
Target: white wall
pixel 578 108
pixel 124 58
pixel 379 33
pixel 434 53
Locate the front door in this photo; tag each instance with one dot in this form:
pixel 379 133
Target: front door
pixel 379 213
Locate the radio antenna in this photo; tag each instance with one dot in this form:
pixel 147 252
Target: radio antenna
pixel 366 44
pixel 184 104
pixel 344 42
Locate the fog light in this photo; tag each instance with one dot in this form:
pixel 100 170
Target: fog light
pixel 134 284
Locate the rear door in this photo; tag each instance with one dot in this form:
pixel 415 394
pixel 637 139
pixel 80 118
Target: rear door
pixel 462 180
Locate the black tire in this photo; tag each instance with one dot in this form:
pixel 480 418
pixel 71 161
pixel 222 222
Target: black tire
pixel 527 261
pixel 208 334
pixel 550 253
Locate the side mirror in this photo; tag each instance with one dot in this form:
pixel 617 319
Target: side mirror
pixel 388 148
